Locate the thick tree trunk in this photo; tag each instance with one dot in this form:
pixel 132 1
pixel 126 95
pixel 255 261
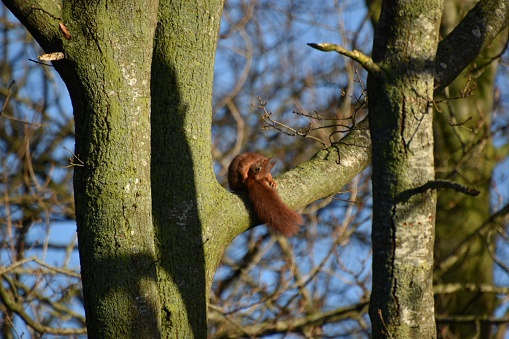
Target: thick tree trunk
pixel 107 71
pixel 464 154
pixel 400 106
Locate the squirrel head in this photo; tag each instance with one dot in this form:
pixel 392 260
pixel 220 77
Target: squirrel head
pixel 261 169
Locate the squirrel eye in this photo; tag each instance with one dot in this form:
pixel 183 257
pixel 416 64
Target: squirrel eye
pixel 258 169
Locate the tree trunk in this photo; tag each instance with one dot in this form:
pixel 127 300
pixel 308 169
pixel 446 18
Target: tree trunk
pixel 400 106
pixel 465 153
pixel 108 75
pixel 186 195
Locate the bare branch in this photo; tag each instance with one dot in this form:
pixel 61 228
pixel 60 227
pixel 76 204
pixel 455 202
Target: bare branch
pixel 271 123
pixel 366 62
pixel 7 97
pixel 41 18
pixel 469 287
pixel 436 184
pixel 19 309
pixel 72 163
pixel 459 253
pixel 480 26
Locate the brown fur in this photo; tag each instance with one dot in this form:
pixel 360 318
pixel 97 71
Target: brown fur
pixel 269 207
pixel 239 168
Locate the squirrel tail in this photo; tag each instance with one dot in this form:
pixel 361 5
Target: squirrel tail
pixel 272 211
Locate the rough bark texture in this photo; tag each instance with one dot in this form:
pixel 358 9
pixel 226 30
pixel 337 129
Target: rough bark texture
pixel 401 129
pixel 187 198
pixel 107 71
pixel 464 154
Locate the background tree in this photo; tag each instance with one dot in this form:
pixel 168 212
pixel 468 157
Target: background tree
pixel 467 155
pixel 308 293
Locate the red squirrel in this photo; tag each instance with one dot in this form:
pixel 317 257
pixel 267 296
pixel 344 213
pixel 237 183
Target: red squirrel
pixel 251 172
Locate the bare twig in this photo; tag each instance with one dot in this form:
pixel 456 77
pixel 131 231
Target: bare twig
pixel 436 184
pixel 7 97
pixel 39 62
pixel 71 160
pixel 22 262
pixel 271 123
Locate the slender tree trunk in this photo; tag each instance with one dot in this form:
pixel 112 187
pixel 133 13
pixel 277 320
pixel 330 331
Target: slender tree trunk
pixel 400 106
pixel 464 154
pixel 185 191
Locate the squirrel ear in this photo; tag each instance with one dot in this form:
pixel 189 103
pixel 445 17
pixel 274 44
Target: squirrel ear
pixel 272 162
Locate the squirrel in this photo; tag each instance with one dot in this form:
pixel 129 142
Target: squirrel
pixel 251 172
pixel 239 168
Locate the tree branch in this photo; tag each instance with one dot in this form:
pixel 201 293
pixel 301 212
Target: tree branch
pixel 329 170
pixel 18 308
pixel 496 220
pixel 478 29
pixel 294 325
pixel 469 287
pixel 42 19
pixel 437 184
pixel 470 318
pixel 365 61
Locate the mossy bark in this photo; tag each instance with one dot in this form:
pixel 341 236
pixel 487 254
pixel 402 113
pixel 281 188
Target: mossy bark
pixel 189 204
pixel 152 219
pixel 107 71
